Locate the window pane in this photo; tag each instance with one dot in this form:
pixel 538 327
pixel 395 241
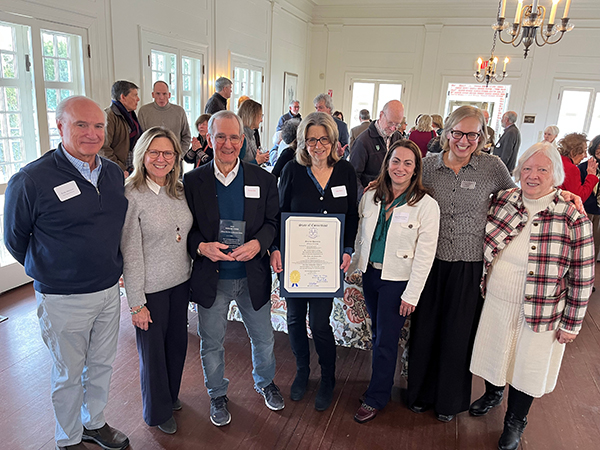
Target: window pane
pixel 51 99
pixel 65 93
pixel 48 43
pixel 573 109
pixel 6 38
pixel 187 84
pixel 49 69
pixel 362 98
pixel 12 98
pixel 595 124
pixel 64 68
pixel 62 45
pixel 15 125
pixel 387 92
pixel 8 66
pixel 186 66
pixel 17 153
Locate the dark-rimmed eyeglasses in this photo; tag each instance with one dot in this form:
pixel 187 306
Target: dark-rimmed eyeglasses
pixel 312 142
pixel 471 137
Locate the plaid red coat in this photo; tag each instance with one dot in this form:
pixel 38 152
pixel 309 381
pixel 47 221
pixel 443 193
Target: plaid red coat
pixel 560 267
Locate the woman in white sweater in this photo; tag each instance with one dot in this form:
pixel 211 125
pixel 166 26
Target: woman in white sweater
pixel 395 248
pixel 157 270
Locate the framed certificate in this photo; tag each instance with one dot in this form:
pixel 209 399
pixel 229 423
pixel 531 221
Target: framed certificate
pixel 311 248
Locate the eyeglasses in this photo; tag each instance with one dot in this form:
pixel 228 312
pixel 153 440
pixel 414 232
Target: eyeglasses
pixel 471 137
pixel 221 139
pixel 312 142
pixel 167 154
pixel 392 124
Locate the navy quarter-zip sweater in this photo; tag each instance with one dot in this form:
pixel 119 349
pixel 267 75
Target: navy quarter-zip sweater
pixel 68 247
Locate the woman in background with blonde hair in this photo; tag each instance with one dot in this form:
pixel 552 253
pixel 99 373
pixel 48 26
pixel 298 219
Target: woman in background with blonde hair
pixel 156 271
pixel 251 114
pixel 423 133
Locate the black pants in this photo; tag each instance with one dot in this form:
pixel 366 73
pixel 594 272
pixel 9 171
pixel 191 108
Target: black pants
pixel 382 299
pixel 162 349
pixel 518 402
pixel 319 310
pixel 442 333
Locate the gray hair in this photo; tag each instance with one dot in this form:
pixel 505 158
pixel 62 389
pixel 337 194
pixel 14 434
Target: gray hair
pixel 294 101
pixel 122 87
pixel 552 129
pixel 226 114
pixel 457 116
pixel 324 98
pixel 511 116
pixel 222 83
pixel 364 114
pixel 558 172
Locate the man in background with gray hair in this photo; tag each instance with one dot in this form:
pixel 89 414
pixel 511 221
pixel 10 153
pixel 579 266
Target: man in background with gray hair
pixel 365 121
pixel 508 145
pixel 218 102
pixel 324 103
pixel 293 113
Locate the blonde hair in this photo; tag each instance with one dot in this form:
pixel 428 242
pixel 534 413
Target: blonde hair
pixel 137 179
pixel 250 111
pixel 317 119
pixel 424 123
pixel 457 116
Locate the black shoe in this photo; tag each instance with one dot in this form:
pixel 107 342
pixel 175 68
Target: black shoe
pixel 513 429
pixel 177 405
pixel 169 427
pixel 418 407
pixel 272 395
pixel 444 417
pixel 106 437
pixel 484 405
pixel 299 385
pixel 219 414
pixel 325 393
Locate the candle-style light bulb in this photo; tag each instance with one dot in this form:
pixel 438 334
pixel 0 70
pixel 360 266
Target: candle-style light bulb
pixel 518 14
pixel 505 63
pixel 567 7
pixel 503 12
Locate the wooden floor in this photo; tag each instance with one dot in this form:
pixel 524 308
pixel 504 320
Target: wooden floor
pixel 569 418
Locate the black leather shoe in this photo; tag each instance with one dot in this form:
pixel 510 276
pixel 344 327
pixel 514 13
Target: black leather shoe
pixel 513 429
pixel 106 437
pixel 484 405
pixel 444 417
pixel 419 407
pixel 298 388
pixel 80 446
pixel 324 394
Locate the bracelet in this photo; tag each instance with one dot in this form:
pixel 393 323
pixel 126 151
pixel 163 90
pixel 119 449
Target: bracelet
pixel 133 313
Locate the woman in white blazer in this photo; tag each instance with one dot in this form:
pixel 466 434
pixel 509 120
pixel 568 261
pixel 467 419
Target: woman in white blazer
pixel 395 248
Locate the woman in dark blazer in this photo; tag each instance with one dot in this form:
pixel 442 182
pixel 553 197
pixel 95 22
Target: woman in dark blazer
pixel 317 181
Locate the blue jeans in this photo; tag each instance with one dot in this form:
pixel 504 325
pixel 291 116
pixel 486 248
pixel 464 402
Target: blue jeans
pixel 212 324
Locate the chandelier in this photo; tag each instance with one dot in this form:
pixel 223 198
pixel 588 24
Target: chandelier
pixel 486 70
pixel 528 19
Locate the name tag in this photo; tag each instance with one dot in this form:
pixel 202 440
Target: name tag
pixel 400 216
pixel 467 185
pixel 66 191
pixel 252 191
pixel 339 191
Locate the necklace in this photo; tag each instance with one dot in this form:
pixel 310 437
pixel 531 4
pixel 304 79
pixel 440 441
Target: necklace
pixel 178 235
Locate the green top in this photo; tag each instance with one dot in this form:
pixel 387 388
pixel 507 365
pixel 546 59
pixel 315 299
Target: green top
pixel 381 230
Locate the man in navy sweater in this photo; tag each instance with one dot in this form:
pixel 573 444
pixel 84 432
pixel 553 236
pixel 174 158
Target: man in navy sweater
pixel 232 190
pixel 63 216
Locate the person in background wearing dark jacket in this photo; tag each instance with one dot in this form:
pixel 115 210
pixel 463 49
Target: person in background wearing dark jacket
pixel 365 120
pixel 369 149
pixel 68 242
pixel 200 152
pixel 509 143
pixel 218 101
pixel 122 126
pixel 324 103
pixel 317 182
pixel 592 204
pixel 293 113
pixel 288 134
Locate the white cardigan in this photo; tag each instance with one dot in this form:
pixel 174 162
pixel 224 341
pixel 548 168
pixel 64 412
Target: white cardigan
pixel 410 245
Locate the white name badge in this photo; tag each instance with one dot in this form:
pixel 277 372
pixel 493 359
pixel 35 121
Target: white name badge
pixel 400 216
pixel 339 191
pixel 66 191
pixel 468 185
pixel 252 191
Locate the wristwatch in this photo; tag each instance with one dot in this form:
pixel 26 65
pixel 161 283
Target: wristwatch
pixel 200 254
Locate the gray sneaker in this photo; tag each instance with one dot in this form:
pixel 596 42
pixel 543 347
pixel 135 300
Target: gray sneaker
pixel 273 398
pixel 219 415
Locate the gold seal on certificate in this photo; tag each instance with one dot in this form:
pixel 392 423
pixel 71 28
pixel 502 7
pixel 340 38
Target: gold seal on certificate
pixel 311 260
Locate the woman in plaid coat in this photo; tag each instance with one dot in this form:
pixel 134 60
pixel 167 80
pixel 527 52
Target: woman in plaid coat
pixel 536 289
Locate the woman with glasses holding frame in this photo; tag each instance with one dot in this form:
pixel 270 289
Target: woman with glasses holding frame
pixel 156 271
pixel 317 181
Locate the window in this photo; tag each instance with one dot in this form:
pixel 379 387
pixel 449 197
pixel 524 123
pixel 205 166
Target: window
pixel 579 112
pixel 368 94
pixel 246 81
pixel 164 68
